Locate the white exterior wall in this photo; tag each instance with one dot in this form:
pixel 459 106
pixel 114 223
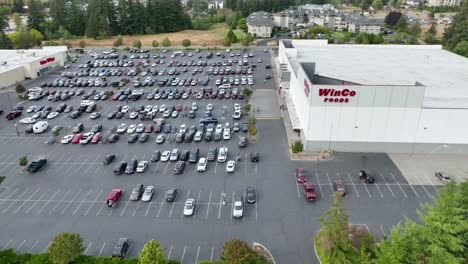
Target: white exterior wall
pixel 261 31
pixel 444 2
pixel 32 68
pixel 12 76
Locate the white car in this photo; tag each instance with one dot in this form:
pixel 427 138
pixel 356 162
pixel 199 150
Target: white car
pixel 194 106
pixel 202 162
pixel 148 108
pixel 67 139
pixel 52 115
pixel 174 114
pixel 219 129
pixel 160 139
pixel 238 208
pixel 209 107
pixel 227 134
pixel 155 108
pixel 222 155
pixel 140 128
pixel 131 129
pixel 142 166
pixel 86 138
pixel 198 136
pixel 125 109
pixel 31 109
pixel 165 155
pixel 121 128
pixel 133 115
pixel 28 120
pixel 148 194
pixel 174 155
pixel 237 107
pixel 183 128
pixel 189 207
pixel 162 108
pixel 237 114
pixel 231 166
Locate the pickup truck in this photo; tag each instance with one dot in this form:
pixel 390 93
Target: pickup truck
pixel 36 165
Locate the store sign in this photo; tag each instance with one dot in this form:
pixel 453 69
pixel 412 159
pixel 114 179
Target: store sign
pixel 42 62
pixel 336 96
pixel 306 88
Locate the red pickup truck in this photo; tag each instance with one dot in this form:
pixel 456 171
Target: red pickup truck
pixel 309 191
pixel 113 197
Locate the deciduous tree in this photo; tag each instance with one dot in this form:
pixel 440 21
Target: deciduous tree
pixel 152 253
pixel 65 248
pixel 35 15
pixel 239 252
pixel 166 42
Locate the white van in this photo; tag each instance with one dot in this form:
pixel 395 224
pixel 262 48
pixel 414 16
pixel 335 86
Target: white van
pixel 35 90
pixel 40 127
pixel 86 102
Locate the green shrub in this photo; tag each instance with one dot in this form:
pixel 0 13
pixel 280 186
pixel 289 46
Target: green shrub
pixel 23 161
pixel 297 147
pixel 20 88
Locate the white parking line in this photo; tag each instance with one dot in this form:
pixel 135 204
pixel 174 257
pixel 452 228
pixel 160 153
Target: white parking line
pixel 381 228
pixel 79 205
pixel 183 255
pixel 5 246
pixel 35 244
pixel 208 209
pixel 399 185
pixel 102 248
pixel 355 189
pixel 220 206
pixel 316 176
pixel 390 189
pixel 147 210
pixel 429 179
pixel 24 202
pixel 22 243
pixel 87 248
pixel 58 202
pixel 6 209
pixel 198 253
pixel 212 253
pixel 162 203
pixel 417 178
pixel 297 186
pixel 329 181
pixel 40 210
pixel 92 204
pixel 379 190
pixel 71 201
pixel 138 205
pixel 127 202
pixel 47 247
pixel 169 254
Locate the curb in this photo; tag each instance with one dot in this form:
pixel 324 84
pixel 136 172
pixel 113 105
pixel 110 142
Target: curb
pixel 256 244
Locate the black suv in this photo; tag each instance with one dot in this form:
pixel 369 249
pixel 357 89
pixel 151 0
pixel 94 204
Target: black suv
pixel 194 156
pixel 36 165
pixel 120 168
pixel 131 167
pixel 120 249
pixel 212 154
pixel 184 155
pixel 156 156
pixel 179 167
pixel 108 159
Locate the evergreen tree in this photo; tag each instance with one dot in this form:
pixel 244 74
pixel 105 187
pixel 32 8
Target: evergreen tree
pixel 18 6
pixel 98 23
pixel 458 29
pixel 76 18
pixel 35 15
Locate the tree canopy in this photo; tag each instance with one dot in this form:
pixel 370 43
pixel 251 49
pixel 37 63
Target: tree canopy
pixel 457 32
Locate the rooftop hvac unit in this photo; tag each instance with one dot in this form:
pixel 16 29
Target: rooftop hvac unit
pixel 4 63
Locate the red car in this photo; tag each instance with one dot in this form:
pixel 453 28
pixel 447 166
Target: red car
pixel 113 197
pixel 76 138
pixel 339 187
pixel 96 138
pixel 300 175
pixel 149 128
pixel 12 115
pixel 214 94
pixel 309 191
pixel 178 107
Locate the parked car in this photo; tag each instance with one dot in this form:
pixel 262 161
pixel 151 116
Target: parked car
pixel 339 188
pixel 189 207
pixel 443 177
pixel 171 195
pixel 137 192
pixel 309 191
pixel 121 248
pixel 36 165
pixel 148 194
pixel 113 197
pixel 254 157
pixel 179 167
pixel 120 168
pixel 142 166
pixel 300 175
pixel 238 208
pixel 201 167
pixel 155 156
pixel 109 159
pixel 366 178
pixel 251 196
pixel 131 167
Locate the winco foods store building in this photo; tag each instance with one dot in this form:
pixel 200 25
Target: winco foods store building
pixel 375 98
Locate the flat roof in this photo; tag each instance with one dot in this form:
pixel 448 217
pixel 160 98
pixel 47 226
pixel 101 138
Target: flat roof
pixel 10 59
pixel 444 74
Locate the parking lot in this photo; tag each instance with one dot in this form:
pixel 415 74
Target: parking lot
pixel 69 192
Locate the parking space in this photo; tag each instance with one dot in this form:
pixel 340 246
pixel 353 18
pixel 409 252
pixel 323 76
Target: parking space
pixel 190 253
pixel 73 202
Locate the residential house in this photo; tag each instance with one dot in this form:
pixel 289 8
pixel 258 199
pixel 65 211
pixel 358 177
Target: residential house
pixel 260 24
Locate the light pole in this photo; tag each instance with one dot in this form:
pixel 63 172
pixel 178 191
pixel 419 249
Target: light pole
pixel 11 107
